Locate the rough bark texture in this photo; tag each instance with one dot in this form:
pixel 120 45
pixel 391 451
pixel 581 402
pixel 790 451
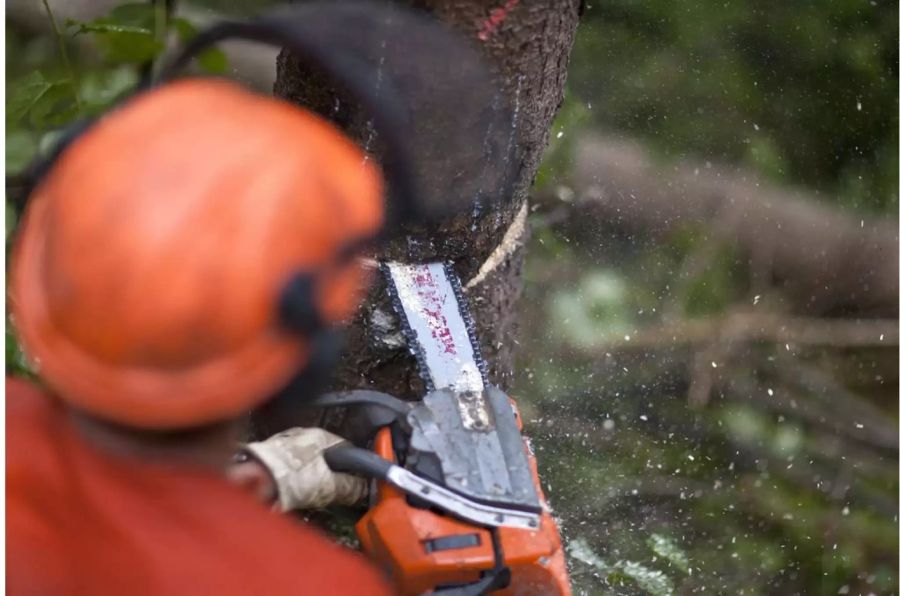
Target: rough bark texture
pixel 527 46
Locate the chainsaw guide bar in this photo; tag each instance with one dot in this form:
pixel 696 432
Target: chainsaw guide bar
pixel 437 325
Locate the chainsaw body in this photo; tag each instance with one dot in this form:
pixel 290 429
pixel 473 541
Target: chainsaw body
pixel 425 550
pixel 455 502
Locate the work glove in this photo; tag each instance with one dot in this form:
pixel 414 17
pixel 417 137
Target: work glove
pixel 302 478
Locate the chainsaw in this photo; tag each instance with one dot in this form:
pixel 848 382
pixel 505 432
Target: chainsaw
pixel 455 505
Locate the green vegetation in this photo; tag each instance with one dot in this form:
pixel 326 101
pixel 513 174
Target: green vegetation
pixel 802 93
pixel 760 488
pixel 49 87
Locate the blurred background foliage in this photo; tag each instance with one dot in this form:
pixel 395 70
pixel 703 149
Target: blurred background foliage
pixel 803 92
pixel 748 466
pixel 760 486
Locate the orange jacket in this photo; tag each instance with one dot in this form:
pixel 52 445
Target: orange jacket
pixel 82 521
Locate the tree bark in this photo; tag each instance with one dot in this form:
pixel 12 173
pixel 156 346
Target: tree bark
pixel 527 46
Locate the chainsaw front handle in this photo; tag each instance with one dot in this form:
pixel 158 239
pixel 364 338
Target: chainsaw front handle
pixel 354 460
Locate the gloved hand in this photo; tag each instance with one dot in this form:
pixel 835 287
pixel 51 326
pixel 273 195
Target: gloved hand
pixel 302 478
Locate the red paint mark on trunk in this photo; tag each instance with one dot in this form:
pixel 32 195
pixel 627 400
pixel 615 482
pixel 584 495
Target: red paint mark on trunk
pixel 492 23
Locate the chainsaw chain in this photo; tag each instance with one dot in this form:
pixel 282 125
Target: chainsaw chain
pixel 467 319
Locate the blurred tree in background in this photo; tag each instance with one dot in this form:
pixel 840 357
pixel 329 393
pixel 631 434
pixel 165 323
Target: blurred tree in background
pixel 804 92
pixel 696 432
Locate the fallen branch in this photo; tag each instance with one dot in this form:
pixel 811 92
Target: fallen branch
pixel 828 412
pixel 826 260
pixel 866 418
pixel 759 327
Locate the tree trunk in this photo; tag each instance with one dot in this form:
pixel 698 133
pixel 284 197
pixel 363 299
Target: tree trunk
pixel 527 45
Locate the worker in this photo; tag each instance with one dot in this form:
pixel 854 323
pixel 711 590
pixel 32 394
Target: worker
pixel 154 286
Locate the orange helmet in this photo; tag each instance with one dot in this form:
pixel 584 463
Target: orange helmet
pixel 152 259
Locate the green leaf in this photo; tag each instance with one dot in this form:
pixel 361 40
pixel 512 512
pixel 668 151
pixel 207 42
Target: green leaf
pixel 16 362
pixel 126 18
pixel 651 581
pixel 213 61
pixel 11 219
pixel 666 548
pixel 63 114
pixel 101 27
pixel 580 550
pixel 133 13
pixel 126 35
pixel 597 310
pixel 56 107
pixel 100 89
pixel 655 583
pixel 128 47
pixel 23 94
pixel 20 150
pixel 184 28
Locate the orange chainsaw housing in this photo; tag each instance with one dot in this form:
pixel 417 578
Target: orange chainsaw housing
pixel 422 550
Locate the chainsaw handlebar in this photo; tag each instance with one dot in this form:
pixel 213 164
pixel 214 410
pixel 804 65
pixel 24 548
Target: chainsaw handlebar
pixel 364 397
pixel 354 460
